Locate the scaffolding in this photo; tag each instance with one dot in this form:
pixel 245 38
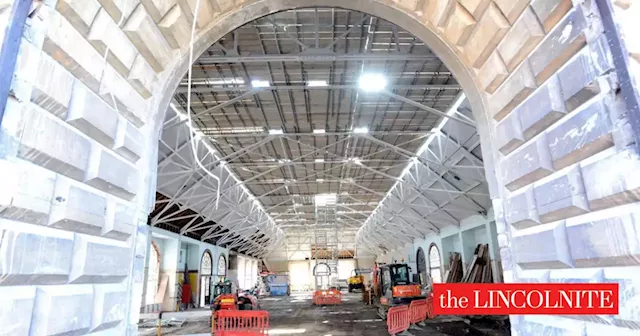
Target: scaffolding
pixel 325 248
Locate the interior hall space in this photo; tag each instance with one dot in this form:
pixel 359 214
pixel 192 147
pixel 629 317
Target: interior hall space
pixel 314 167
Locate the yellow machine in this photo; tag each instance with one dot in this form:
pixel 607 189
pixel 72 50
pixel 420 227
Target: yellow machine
pixel 355 281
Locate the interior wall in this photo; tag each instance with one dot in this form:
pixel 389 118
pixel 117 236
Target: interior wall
pixel 345 266
pixel 562 29
pixel 170 244
pixel 300 275
pixel 472 231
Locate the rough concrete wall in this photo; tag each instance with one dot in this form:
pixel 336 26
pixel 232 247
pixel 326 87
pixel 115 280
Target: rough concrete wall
pixel 79 143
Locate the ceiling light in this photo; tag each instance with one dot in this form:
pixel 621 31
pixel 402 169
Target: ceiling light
pixel 324 199
pixel 319 131
pixel 372 82
pixel 320 180
pixel 317 83
pixel 276 131
pixel 361 130
pixel 319 160
pixel 256 83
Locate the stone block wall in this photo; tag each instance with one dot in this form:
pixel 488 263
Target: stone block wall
pixel 78 148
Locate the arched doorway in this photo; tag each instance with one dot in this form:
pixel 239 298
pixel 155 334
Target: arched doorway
pixel 435 264
pixel 222 268
pixel 322 275
pixel 206 272
pixel 421 265
pixel 508 56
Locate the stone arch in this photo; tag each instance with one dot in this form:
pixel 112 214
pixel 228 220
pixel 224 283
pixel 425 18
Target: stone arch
pixel 400 12
pixel 514 59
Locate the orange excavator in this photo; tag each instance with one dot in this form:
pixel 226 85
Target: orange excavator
pixel 227 298
pixel 392 286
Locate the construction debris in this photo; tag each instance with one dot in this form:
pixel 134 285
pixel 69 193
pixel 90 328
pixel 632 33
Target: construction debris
pixel 170 322
pixel 479 269
pixel 454 274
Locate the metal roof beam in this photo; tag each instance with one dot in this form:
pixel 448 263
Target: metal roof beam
pixel 317 56
pixel 427 108
pixel 231 88
pixel 309 134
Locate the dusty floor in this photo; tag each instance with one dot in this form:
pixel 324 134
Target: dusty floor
pixel 296 315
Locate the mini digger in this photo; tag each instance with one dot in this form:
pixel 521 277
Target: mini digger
pixel 227 298
pixel 392 286
pixel 355 281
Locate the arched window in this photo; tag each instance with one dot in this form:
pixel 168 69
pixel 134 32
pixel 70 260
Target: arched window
pixel 206 272
pixel 435 264
pixel 222 267
pixel 206 267
pixel 421 265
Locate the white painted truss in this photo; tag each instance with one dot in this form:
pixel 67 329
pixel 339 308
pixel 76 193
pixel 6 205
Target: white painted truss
pixel 443 184
pixel 223 211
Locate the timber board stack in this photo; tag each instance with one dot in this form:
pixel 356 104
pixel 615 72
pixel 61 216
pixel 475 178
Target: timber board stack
pixel 478 270
pixel 454 274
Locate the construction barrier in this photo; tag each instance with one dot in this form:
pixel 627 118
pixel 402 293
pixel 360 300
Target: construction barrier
pixel 240 323
pixel 327 297
pixel 418 311
pixel 398 319
pixel 430 307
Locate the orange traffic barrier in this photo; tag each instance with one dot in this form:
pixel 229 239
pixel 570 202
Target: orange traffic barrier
pixel 418 310
pixel 241 323
pixel 430 307
pixel 398 319
pixel 327 297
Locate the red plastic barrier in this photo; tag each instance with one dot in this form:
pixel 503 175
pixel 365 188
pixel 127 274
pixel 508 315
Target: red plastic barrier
pixel 418 310
pixel 430 307
pixel 241 323
pixel 398 319
pixel 327 297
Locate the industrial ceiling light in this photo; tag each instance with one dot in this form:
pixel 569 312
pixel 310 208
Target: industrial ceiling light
pixel 372 82
pixel 361 130
pixel 276 131
pixel 324 199
pixel 320 180
pixel 256 83
pixel 319 131
pixel 319 160
pixel 317 83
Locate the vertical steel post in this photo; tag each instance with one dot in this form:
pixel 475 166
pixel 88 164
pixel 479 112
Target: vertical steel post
pixel 10 49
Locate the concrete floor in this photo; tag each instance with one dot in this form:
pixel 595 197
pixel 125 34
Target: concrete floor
pixel 296 315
